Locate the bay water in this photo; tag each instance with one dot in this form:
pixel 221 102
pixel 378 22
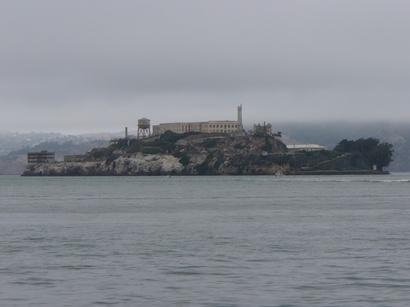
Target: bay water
pixel 205 241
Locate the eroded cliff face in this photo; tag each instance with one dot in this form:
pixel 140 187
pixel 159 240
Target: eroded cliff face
pixel 189 155
pixel 242 155
pixel 133 165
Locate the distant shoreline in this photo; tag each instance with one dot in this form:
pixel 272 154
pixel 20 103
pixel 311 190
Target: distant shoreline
pixel 334 172
pixel 296 173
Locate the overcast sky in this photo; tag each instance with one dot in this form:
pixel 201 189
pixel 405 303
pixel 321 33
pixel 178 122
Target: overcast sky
pixel 98 65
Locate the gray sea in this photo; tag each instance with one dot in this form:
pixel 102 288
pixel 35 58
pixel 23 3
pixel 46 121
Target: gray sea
pixel 205 241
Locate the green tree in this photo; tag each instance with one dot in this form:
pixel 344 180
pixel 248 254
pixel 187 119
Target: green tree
pixel 370 149
pixel 382 155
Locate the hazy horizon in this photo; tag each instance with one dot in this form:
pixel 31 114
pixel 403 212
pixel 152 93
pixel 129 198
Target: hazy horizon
pixel 248 124
pixel 86 66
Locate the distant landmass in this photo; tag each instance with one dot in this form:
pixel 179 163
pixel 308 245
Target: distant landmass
pixel 196 153
pixel 14 146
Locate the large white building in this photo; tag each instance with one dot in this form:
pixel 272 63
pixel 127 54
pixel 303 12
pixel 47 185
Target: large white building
pixel 212 126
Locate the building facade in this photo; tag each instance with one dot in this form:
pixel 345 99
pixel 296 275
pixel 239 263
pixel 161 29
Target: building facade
pixel 41 157
pixel 263 129
pixel 213 126
pixel 223 126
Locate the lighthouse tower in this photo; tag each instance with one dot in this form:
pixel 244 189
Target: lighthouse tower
pixel 240 116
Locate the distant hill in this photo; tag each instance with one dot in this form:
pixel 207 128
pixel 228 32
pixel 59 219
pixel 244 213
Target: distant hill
pixel 14 147
pixel 10 141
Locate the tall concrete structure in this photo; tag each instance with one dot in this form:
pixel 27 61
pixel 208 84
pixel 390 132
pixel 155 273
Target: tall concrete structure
pixel 212 126
pixel 240 116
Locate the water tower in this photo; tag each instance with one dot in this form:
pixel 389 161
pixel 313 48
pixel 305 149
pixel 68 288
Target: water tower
pixel 144 128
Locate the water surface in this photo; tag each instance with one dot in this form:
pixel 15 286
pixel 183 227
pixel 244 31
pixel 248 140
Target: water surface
pixel 205 241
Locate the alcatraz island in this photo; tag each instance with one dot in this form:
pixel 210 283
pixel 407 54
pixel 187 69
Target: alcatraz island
pixel 214 148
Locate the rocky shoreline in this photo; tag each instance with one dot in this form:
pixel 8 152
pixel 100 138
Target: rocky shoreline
pixel 337 172
pixel 149 165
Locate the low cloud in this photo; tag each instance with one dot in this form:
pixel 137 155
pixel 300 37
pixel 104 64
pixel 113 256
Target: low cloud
pixel 98 65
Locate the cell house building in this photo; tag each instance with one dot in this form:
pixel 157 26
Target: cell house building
pixel 212 126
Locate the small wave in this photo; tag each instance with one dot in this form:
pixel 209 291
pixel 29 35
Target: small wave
pixel 397 180
pixel 184 273
pixel 385 180
pixel 349 180
pixel 36 281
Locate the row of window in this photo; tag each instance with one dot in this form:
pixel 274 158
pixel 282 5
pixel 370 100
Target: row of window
pixel 220 131
pixel 213 127
pixel 224 126
pixel 185 128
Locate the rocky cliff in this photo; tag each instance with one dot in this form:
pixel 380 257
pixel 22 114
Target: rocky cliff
pixel 137 164
pixel 172 154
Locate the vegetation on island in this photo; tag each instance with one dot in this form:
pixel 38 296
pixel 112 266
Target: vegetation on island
pixel 370 150
pixel 222 154
pixel 348 155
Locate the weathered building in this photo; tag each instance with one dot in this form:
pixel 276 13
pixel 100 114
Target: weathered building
pixel 41 157
pixel 262 129
pixel 213 126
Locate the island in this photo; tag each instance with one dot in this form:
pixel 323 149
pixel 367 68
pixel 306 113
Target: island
pixel 195 153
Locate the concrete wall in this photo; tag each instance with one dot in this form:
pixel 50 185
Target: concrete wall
pixel 178 127
pixel 223 126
